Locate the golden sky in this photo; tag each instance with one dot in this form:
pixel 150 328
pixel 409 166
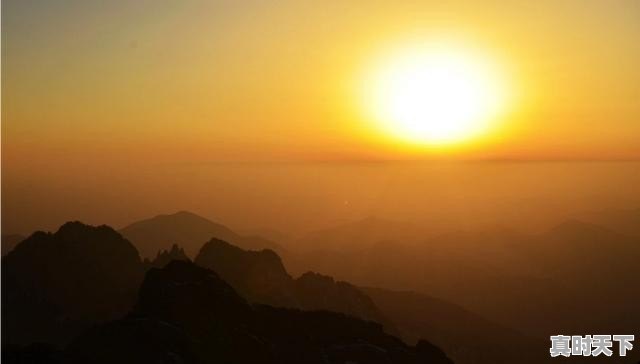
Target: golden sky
pixel 97 82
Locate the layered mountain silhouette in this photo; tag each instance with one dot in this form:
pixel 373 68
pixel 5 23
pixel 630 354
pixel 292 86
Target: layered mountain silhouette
pixel 71 291
pixel 359 235
pixel 267 233
pixel 187 314
pixel 465 336
pixel 189 231
pixel 623 221
pixel 79 285
pixel 557 280
pixel 55 285
pixel 261 277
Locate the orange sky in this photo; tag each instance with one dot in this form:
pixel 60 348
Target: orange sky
pixel 118 110
pixel 201 81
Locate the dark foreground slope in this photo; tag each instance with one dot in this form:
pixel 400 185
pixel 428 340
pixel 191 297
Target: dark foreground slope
pixel 465 336
pixel 9 241
pixel 187 314
pixel 55 285
pixel 76 285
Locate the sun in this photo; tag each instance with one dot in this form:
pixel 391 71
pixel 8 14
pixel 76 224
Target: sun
pixel 436 95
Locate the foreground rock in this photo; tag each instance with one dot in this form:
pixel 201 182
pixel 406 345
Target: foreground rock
pixel 187 314
pixel 55 285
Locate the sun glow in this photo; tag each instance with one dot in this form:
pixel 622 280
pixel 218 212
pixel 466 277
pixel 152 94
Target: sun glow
pixel 435 95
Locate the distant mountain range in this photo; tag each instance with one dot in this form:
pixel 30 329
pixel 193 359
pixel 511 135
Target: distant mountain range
pixel 187 230
pixel 538 283
pixel 465 336
pixel 57 285
pixel 623 221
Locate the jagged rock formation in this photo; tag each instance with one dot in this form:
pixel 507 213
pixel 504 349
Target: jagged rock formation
pixel 187 314
pixel 164 257
pixel 55 285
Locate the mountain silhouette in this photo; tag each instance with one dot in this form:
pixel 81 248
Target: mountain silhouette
pixel 261 277
pixel 9 241
pixel 187 314
pixel 267 233
pixel 79 285
pixel 320 292
pixel 623 221
pixel 54 285
pixel 164 257
pixel 359 235
pixel 541 283
pixel 188 230
pixel 465 336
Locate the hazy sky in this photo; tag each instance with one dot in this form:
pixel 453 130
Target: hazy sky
pixel 99 97
pixel 254 80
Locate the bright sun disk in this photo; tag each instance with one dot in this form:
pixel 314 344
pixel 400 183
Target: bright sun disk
pixel 435 95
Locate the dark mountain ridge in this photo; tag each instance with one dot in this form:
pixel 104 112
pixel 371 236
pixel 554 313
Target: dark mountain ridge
pixel 187 314
pixel 83 275
pixel 258 277
pixel 54 285
pixel 261 277
pixel 9 241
